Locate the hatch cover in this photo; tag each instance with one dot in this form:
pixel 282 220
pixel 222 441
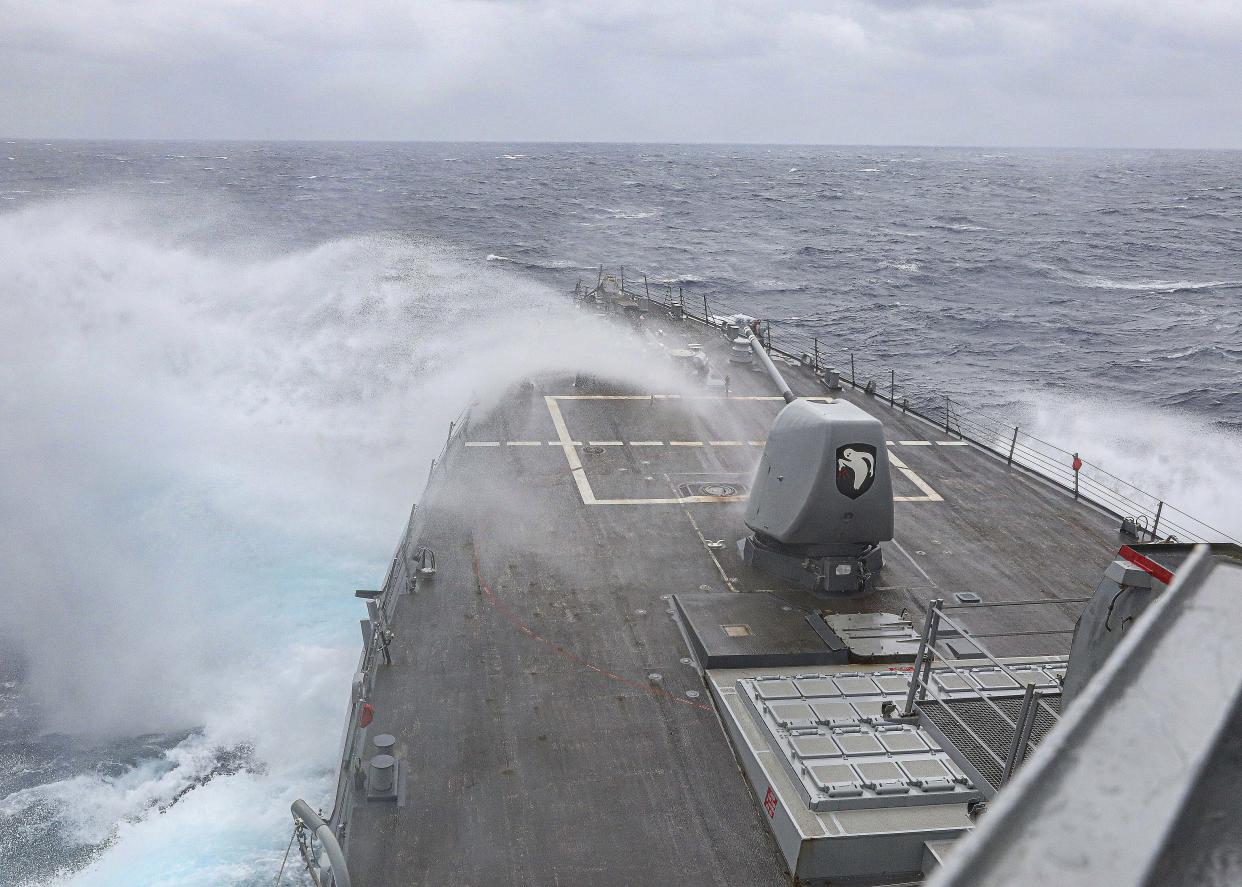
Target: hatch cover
pixel 713 489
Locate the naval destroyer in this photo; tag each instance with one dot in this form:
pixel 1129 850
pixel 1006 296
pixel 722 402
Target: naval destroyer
pixel 790 623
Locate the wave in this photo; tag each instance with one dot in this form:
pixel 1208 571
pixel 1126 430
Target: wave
pixel 621 213
pixel 227 439
pixel 1170 454
pixel 1090 281
pixel 531 264
pixel 681 278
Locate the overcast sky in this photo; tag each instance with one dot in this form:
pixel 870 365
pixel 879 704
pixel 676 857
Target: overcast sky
pixel 976 72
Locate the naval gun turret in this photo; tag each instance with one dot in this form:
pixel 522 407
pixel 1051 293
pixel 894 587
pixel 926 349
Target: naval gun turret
pixel 822 500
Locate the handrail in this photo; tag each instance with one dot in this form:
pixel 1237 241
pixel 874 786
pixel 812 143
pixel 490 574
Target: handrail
pixel 1149 514
pixel 304 815
pixel 921 685
pixel 965 633
pixel 396 580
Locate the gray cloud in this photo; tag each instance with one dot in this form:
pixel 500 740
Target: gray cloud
pixel 1082 72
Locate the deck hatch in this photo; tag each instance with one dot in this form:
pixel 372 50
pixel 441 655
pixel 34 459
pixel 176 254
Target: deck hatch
pixel 841 752
pixel 776 689
pixel 712 490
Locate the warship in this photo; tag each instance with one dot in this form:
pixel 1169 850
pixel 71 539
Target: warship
pixel 789 623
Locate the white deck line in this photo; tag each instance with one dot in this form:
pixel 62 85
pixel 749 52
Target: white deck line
pixel 682 397
pixel 929 495
pixel 915 443
pixel 569 446
pixel 482 443
pixel 952 443
pixel 524 443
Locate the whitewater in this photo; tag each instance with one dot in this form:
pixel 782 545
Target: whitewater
pixel 226 370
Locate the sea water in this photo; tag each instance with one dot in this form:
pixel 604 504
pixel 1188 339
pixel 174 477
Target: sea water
pixel 226 367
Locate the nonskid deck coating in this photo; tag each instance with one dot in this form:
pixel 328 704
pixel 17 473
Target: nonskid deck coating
pixel 537 745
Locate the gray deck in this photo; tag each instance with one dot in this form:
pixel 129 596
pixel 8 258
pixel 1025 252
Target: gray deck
pixel 537 748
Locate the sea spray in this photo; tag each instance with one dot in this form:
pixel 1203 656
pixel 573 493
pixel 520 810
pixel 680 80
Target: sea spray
pixel 1172 456
pixel 205 447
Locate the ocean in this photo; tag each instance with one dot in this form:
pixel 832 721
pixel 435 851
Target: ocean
pixel 227 366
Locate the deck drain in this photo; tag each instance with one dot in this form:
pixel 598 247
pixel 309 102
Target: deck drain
pixel 711 489
pixel 593 451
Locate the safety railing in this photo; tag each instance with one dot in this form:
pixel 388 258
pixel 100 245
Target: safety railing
pixel 410 561
pixel 317 845
pixel 922 686
pixel 1144 516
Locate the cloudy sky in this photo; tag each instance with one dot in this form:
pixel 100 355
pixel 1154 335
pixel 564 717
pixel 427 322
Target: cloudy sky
pixel 977 72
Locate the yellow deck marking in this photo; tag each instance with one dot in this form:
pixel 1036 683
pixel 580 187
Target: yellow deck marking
pixel 929 495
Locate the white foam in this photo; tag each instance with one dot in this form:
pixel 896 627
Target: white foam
pixel 1175 457
pixel 206 449
pixel 1097 281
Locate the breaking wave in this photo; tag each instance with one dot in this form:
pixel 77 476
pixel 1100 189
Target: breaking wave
pixel 1091 281
pixel 206 449
pixel 534 265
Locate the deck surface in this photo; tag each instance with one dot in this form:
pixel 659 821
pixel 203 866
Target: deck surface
pixel 537 745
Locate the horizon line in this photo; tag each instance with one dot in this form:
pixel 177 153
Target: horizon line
pixel 602 142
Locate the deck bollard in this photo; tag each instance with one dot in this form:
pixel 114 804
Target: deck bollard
pixel 382 777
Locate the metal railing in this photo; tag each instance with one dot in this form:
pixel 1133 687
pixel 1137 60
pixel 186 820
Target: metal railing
pixel 309 830
pixel 922 686
pixel 408 561
pixel 1146 516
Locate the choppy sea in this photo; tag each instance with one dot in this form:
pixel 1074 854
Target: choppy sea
pixel 224 368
